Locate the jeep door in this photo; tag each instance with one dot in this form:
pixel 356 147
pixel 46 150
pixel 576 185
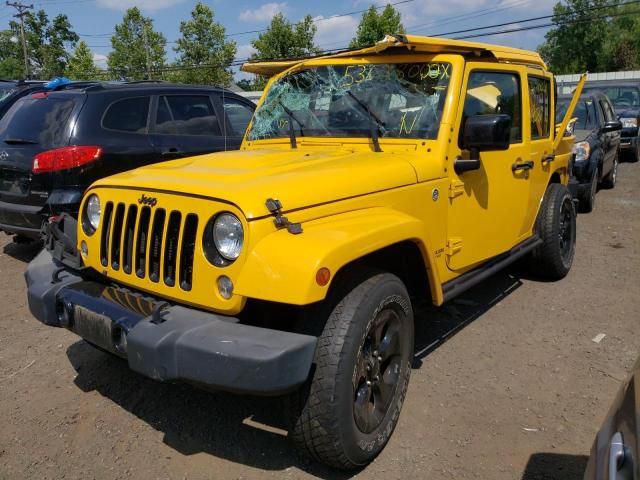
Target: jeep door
pixel 539 128
pixel 488 207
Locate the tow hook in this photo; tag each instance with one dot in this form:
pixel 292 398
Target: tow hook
pixel 275 207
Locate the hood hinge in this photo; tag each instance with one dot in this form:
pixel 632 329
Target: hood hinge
pixel 275 207
pixel 456 188
pixel 454 245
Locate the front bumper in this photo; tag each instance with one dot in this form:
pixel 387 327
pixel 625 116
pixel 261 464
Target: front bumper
pixel 168 343
pixel 628 143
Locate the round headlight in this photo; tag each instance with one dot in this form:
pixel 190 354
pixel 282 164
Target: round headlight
pixel 228 236
pixel 92 214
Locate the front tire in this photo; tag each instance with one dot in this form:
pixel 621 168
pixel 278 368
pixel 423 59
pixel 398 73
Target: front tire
pixel 556 226
pixel 634 156
pixel 348 410
pixel 588 197
pixel 610 180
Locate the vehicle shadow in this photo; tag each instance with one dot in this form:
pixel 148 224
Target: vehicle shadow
pixel 251 430
pixel 436 325
pixel 555 466
pixel 239 428
pixel 24 252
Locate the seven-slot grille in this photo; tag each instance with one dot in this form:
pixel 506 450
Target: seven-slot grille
pixel 153 244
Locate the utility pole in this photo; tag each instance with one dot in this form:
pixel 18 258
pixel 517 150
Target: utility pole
pixel 146 49
pixel 22 11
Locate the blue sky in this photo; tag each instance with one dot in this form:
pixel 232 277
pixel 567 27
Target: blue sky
pixel 94 19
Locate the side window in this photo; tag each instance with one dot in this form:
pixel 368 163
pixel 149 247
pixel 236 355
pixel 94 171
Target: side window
pixel 186 115
pixel 489 93
pixel 127 115
pixel 539 102
pixel 238 114
pixel 592 116
pixel 609 113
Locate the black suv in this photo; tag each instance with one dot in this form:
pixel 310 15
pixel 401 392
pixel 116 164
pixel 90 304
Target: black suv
pixel 54 144
pixel 625 97
pixel 597 145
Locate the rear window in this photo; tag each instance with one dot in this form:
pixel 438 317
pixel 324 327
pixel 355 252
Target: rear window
pixel 38 119
pixel 127 115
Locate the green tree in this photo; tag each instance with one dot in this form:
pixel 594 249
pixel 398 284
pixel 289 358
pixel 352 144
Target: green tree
pixel 48 43
pixel 11 61
pixel 246 85
pixel 374 26
pixel 622 45
pixel 138 51
pixel 282 39
pixel 576 43
pixel 203 45
pixel 81 66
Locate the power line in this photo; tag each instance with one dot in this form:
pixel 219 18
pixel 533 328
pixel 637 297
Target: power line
pixel 526 20
pixel 175 68
pixel 534 27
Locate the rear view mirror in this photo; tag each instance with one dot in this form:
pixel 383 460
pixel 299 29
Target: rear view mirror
pixel 487 132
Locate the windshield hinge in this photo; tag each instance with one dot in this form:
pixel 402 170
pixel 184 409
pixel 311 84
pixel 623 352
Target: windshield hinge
pixel 275 207
pixel 456 188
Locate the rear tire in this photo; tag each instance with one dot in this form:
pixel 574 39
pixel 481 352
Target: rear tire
pixel 556 227
pixel 346 413
pixel 609 181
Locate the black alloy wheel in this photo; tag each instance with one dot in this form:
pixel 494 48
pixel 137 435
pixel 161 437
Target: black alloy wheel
pixel 567 234
pixel 377 371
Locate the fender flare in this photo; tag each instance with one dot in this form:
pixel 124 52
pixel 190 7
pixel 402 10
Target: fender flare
pixel 282 267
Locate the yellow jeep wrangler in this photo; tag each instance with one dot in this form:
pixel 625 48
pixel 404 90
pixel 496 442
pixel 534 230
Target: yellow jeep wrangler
pixel 367 180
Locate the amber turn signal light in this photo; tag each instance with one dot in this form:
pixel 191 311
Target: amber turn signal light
pixel 323 276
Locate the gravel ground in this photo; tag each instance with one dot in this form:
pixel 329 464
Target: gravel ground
pixel 508 383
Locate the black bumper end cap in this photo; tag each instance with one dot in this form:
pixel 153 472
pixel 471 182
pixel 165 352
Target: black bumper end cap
pixel 43 287
pixel 215 351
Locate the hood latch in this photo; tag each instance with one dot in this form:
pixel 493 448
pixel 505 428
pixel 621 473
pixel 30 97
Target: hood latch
pixel 275 207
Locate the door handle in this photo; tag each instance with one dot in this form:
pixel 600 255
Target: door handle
pixel 548 158
pixel 528 165
pixel 616 455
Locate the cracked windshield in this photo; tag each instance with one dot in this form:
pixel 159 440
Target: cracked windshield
pixel 400 100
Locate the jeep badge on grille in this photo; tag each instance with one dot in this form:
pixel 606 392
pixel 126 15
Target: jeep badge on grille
pixel 151 201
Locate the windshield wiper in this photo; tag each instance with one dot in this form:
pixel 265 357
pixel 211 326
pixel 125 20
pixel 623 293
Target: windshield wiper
pixel 292 135
pixel 20 141
pixel 373 118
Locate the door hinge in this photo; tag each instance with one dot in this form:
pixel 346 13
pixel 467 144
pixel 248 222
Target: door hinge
pixel 456 188
pixel 454 245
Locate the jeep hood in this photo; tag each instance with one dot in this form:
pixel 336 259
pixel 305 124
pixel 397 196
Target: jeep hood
pixel 298 178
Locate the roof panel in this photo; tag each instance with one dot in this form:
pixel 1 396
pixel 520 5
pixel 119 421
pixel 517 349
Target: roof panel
pixel 411 42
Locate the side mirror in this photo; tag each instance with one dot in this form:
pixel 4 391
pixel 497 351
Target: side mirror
pixel 483 133
pixel 487 132
pixel 612 126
